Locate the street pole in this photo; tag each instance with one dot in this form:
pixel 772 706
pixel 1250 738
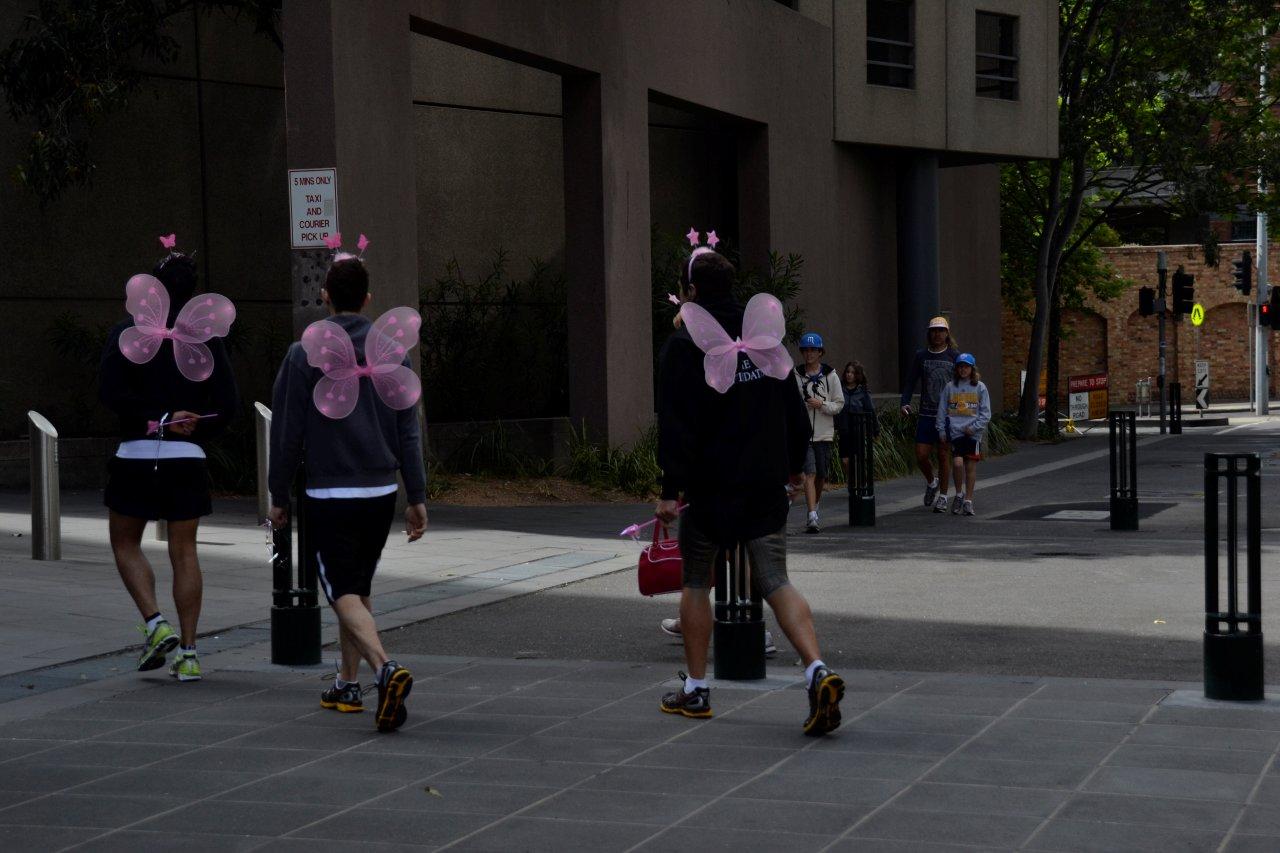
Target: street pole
pixel 1162 267
pixel 1261 392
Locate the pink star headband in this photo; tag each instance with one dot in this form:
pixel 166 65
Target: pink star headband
pixel 334 242
pixel 695 237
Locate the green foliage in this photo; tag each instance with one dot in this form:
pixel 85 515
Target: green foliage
pixel 496 346
pixel 895 447
pixel 631 469
pixel 78 61
pixel 495 450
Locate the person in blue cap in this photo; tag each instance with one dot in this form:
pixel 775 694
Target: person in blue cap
pixel 823 399
pixel 964 410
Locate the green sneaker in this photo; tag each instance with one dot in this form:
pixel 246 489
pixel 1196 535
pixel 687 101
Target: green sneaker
pixel 162 640
pixel 186 667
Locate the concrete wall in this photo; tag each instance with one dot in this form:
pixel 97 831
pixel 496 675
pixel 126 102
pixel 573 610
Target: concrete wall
pixel 199 152
pixel 942 112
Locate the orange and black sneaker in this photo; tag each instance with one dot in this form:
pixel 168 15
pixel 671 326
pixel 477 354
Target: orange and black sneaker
pixel 825 693
pixel 394 684
pixel 345 699
pixel 696 704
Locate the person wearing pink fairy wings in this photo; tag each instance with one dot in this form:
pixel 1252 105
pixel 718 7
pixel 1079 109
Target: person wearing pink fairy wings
pixel 732 436
pixel 166 375
pixel 345 403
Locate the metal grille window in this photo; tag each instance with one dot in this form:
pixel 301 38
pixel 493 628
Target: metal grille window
pixel 997 56
pixel 891 50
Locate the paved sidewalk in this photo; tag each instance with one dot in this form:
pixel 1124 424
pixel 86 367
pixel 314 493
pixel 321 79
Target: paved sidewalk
pixel 505 755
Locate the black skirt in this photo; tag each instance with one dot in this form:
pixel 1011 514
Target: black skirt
pixel 168 489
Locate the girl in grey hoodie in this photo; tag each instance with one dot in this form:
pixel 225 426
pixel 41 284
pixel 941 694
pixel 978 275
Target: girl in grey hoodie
pixel 964 410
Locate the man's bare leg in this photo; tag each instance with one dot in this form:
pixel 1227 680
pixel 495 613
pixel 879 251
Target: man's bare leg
pixel 924 461
pixel 695 627
pixel 796 621
pixel 188 584
pixel 125 533
pixel 351 656
pixel 811 492
pixel 354 618
pixel 944 468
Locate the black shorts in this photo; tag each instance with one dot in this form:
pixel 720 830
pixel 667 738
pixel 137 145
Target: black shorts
pixel 169 489
pixel 967 447
pixel 347 536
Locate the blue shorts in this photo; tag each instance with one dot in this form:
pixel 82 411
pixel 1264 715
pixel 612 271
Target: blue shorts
pixel 927 430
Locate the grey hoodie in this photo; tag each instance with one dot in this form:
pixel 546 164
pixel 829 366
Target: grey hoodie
pixel 962 405
pixel 366 448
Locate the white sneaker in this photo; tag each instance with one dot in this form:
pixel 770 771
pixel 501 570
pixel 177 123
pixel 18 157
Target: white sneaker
pixel 769 648
pixel 930 492
pixel 940 505
pixel 968 507
pixel 812 525
pixel 956 504
pixel 671 626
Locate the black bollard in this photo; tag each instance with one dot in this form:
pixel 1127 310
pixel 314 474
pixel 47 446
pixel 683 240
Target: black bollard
pixel 1175 408
pixel 862 471
pixel 739 626
pixel 295 612
pixel 1123 437
pixel 1233 640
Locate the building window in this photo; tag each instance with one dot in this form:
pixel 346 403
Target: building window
pixel 1244 228
pixel 997 55
pixel 891 49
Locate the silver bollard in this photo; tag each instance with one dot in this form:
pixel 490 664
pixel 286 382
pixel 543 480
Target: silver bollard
pixel 262 424
pixel 46 500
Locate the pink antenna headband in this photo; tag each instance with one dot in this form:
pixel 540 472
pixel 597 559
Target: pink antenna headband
pixel 695 237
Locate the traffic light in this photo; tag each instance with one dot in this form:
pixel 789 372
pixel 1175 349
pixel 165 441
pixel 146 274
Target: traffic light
pixel 1184 293
pixel 1264 314
pixel 1243 274
pixel 1269 312
pixel 1146 301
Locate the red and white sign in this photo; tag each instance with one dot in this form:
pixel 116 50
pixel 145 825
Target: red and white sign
pixel 313 206
pixel 1088 382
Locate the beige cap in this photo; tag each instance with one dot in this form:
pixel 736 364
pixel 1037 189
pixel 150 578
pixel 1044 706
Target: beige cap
pixel 939 323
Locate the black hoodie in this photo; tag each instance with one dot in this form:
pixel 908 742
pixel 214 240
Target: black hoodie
pixel 729 454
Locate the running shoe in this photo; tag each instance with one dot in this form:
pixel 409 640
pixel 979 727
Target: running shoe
pixel 186 667
pixel 769 648
pixel 968 507
pixel 670 626
pixel 162 640
pixel 930 492
pixel 940 505
pixel 394 684
pixel 825 694
pixel 957 504
pixel 696 704
pixel 345 699
pixel 811 526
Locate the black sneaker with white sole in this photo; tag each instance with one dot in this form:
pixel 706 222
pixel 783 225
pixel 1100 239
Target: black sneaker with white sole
pixel 696 704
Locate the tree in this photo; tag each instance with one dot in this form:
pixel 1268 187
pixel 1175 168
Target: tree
pixel 78 61
pixel 1155 97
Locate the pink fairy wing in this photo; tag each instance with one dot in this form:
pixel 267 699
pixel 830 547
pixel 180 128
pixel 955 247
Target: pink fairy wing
pixel 206 316
pixel 721 360
pixel 328 347
pixel 147 302
pixel 398 386
pixel 392 336
pixel 763 326
pixel 194 359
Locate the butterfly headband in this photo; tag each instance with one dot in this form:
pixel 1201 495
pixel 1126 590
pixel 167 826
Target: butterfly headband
pixel 695 237
pixel 334 242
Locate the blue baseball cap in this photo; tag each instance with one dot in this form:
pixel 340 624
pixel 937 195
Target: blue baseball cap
pixel 811 340
pixel 967 358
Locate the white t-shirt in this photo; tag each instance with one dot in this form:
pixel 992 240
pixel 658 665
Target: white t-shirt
pixel 151 448
pixel 351 492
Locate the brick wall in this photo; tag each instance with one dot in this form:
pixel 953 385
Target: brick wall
pixel 1113 336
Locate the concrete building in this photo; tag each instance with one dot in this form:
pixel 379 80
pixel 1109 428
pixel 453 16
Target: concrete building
pixel 861 134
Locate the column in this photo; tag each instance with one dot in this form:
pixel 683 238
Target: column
pixel 919 294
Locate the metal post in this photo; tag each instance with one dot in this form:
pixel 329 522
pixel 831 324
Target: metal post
pixel 46 499
pixel 1122 435
pixel 295 614
pixel 1233 667
pixel 1162 268
pixel 1175 408
pixel 1262 388
pixel 739 625
pixel 862 474
pixel 262 429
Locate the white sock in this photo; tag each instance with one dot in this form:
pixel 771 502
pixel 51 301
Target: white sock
pixel 339 684
pixel 813 515
pixel 691 684
pixel 154 621
pixel 933 484
pixel 186 650
pixel 809 671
